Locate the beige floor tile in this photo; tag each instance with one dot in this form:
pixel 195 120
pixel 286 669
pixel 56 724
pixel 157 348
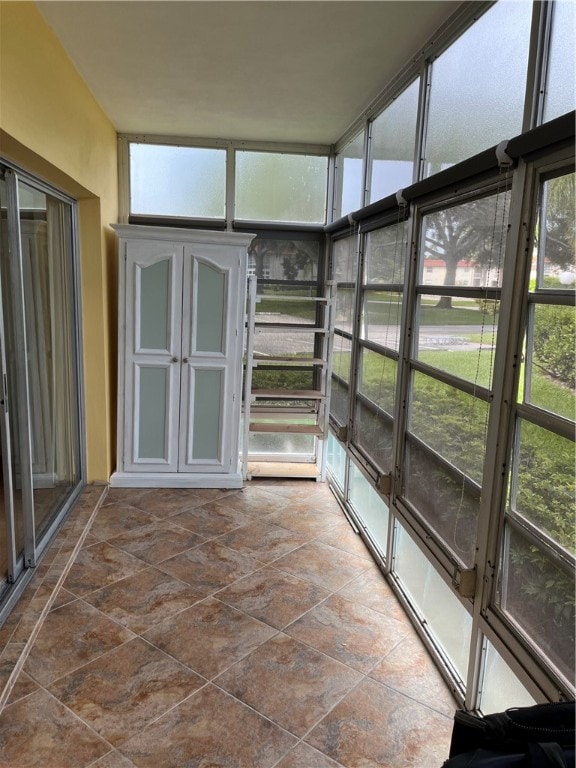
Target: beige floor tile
pixel 292 684
pixel 120 693
pixel 39 732
pixel 209 729
pixel 144 599
pixel 376 727
pixel 349 632
pixel 209 637
pixel 272 596
pixel 323 565
pixel 70 637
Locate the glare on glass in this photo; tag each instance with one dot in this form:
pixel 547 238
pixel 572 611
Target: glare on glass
pixel 344 260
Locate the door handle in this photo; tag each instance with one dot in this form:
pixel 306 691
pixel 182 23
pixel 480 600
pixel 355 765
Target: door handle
pixel 174 359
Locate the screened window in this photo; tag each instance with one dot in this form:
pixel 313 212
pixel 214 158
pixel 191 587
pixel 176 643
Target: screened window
pixel 478 86
pixel 344 271
pixel 382 297
pixel 281 187
pixel 349 182
pixel 536 585
pixel 393 137
pixel 452 366
pixel 177 181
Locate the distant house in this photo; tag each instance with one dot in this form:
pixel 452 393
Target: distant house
pixel 468 273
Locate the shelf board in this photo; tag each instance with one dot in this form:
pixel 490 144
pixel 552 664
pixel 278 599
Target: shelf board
pixel 305 362
pixel 294 327
pixel 282 469
pixel 271 297
pixel 303 429
pixel 291 394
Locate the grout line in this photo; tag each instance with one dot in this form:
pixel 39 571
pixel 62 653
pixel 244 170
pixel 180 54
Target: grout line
pixel 9 685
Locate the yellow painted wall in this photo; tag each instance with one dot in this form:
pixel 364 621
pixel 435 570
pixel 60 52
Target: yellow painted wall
pixel 51 125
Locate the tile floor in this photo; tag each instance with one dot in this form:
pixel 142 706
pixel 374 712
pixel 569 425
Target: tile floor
pixel 218 628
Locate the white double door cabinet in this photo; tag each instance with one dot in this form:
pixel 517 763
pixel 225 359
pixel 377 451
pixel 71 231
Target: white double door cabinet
pixel 182 304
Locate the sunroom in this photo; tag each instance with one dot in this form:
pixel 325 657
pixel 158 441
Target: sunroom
pixel 412 292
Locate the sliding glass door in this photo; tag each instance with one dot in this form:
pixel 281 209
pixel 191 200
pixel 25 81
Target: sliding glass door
pixel 39 411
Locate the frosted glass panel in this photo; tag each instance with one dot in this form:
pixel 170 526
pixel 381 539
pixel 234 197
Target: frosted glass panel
pixel 370 507
pixel 336 460
pixel 210 309
pixel 152 413
pixel 154 305
pixel 281 187
pixel 349 181
pixel 393 140
pixel 478 86
pixel 446 618
pixel 501 688
pixel 208 386
pixel 561 85
pixel 177 181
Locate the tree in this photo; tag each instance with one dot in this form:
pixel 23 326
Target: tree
pixel 472 232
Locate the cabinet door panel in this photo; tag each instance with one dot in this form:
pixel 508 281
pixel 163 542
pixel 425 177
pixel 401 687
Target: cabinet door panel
pixel 153 355
pixel 210 344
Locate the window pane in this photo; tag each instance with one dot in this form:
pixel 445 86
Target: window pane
pixel 339 399
pixel 460 340
pixel 386 255
pixel 177 181
pixel 270 343
pixel 551 360
pixel 341 356
pixel 281 187
pixel 378 379
pixel 393 139
pixel 501 689
pixel 561 85
pixel 349 181
pixel 373 433
pixel 538 594
pixel 464 245
pixel 451 422
pixel 381 314
pixel 276 377
pixel 344 309
pixel 285 445
pixel 336 460
pixel 371 509
pixel 344 260
pixel 478 87
pixel 544 482
pixel 283 259
pixel 554 263
pixel 446 618
pixel 448 503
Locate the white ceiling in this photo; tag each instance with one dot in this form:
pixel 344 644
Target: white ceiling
pixel 279 71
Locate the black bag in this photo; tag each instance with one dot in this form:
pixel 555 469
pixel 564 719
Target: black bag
pixel 542 736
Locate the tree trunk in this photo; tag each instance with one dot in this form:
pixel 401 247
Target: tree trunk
pixel 445 302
